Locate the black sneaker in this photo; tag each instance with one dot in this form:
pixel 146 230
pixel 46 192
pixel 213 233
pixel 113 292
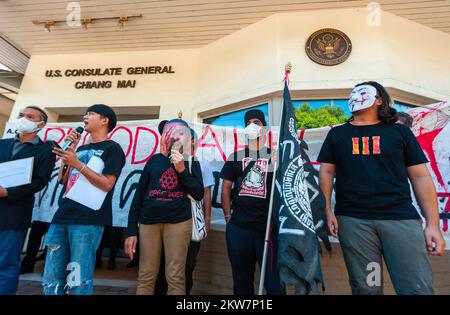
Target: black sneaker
pixel 40 257
pixel 111 264
pixel 133 263
pixel 98 263
pixel 24 270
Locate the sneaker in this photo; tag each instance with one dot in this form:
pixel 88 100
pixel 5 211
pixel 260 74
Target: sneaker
pixel 133 263
pixel 98 263
pixel 24 270
pixel 40 257
pixel 111 264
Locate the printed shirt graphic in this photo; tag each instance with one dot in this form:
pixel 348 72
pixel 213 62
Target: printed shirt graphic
pixel 164 185
pixel 169 179
pixel 370 145
pixel 251 192
pixel 107 158
pixel 161 196
pixel 255 182
pixel 167 187
pixel 84 157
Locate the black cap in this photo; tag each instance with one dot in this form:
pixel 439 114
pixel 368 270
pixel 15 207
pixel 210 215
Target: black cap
pixel 105 111
pixel 194 135
pixel 163 123
pixel 255 114
pixel 161 126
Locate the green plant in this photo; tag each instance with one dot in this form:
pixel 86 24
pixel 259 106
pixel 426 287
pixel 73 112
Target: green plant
pixel 308 118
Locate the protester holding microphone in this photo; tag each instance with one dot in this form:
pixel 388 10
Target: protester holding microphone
pixel 86 207
pixel 16 203
pixel 161 211
pixel 194 246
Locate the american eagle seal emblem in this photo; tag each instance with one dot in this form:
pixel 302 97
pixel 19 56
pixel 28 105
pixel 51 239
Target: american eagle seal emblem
pixel 328 47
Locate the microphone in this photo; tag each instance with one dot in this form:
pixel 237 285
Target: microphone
pixel 175 146
pixel 68 143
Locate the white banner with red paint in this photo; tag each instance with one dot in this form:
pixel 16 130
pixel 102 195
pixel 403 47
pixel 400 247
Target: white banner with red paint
pixel 432 129
pixel 140 140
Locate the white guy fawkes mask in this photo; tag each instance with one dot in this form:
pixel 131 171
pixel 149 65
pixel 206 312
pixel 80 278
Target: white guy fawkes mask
pixel 362 97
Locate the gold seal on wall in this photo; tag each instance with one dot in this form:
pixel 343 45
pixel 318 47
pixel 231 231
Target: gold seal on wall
pixel 328 47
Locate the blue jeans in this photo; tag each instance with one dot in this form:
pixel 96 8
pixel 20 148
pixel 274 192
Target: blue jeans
pixel 70 260
pixel 245 249
pixel 11 243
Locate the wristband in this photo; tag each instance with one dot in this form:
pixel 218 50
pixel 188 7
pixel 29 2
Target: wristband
pixel 82 168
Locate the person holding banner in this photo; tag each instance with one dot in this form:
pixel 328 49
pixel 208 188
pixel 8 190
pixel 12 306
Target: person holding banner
pixel 17 200
pixel 372 158
pixel 161 211
pixel 77 226
pixel 247 181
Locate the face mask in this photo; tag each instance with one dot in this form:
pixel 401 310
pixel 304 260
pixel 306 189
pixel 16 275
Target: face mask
pixel 253 131
pixel 24 125
pixel 362 97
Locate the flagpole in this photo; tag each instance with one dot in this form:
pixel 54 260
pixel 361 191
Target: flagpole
pixel 266 239
pixel 269 214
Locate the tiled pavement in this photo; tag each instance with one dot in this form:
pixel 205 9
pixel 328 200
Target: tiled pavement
pixel 121 281
pixel 27 287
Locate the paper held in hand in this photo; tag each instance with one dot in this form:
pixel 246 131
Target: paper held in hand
pixel 84 192
pixel 16 173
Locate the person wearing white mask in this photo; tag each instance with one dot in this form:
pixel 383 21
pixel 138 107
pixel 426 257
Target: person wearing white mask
pixel 16 203
pixel 247 180
pixel 372 158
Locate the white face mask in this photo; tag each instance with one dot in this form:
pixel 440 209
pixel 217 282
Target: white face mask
pixel 362 97
pixel 253 131
pixel 24 125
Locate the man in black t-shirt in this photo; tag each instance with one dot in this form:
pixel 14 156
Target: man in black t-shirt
pixel 89 176
pixel 247 180
pixel 372 158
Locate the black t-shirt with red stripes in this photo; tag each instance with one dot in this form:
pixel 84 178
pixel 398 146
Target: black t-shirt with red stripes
pixel 371 170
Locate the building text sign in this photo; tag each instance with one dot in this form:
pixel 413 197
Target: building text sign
pixel 100 77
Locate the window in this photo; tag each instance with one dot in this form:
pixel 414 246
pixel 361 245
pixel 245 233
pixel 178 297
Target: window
pixel 320 113
pixel 235 119
pixel 309 115
pixel 316 104
pixel 401 107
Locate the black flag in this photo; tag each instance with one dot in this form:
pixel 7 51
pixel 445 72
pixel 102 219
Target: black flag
pixel 298 256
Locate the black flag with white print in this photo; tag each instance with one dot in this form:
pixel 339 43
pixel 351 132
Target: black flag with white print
pixel 298 253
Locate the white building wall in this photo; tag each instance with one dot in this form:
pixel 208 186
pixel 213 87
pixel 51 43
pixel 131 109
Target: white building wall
pixel 249 63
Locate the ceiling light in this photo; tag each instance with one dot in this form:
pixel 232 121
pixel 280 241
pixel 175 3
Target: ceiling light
pixel 87 20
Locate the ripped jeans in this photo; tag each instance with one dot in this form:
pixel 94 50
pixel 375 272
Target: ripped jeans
pixel 70 260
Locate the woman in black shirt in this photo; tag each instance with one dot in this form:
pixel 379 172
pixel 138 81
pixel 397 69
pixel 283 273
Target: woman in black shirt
pixel 162 208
